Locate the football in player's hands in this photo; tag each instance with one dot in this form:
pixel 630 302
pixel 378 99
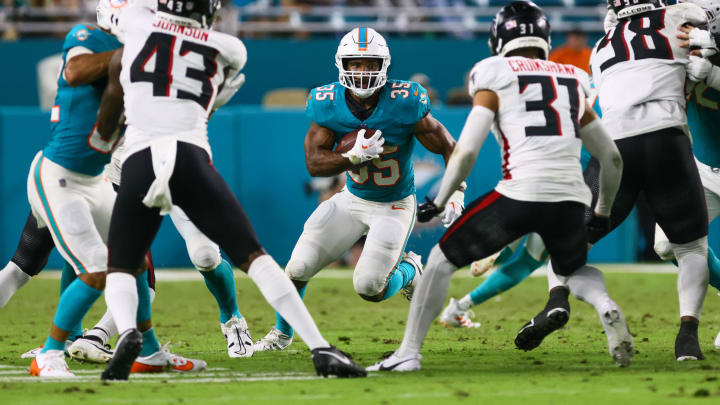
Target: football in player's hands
pixel 348 140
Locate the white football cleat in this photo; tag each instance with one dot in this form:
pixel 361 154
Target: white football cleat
pixel 50 364
pixel 620 342
pixel 482 266
pixel 90 348
pixel 717 341
pixel 239 342
pixel 400 364
pixel 274 340
pixel 416 261
pixel 454 317
pixel 163 360
pixel 30 354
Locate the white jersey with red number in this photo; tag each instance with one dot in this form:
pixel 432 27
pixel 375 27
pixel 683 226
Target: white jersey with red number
pixel 170 76
pixel 537 126
pixel 639 70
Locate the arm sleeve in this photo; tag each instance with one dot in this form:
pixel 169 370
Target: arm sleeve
pixel 601 146
pixel 472 137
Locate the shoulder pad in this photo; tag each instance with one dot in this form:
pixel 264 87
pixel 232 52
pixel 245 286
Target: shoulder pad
pixel 320 105
pixel 410 101
pixel 688 13
pixel 489 74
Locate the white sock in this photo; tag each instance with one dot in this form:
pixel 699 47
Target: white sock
pixel 282 295
pixel 427 302
pixel 121 297
pixel 588 284
pixel 465 302
pixel 11 279
pixel 553 279
pixel 693 276
pixel 105 328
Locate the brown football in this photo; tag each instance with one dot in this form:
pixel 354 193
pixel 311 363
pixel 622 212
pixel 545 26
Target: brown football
pixel 348 140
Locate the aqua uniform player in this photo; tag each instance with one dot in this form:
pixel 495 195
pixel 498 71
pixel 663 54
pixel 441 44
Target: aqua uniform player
pixel 379 199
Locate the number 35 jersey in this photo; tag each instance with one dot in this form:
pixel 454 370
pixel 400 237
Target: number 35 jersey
pixel 639 70
pixel 401 105
pixel 537 126
pixel 170 76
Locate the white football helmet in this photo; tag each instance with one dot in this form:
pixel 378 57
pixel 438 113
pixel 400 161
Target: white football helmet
pixel 712 9
pixel 108 15
pixel 362 43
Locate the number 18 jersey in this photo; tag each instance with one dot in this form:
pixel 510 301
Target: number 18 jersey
pixel 537 126
pixel 639 70
pixel 171 75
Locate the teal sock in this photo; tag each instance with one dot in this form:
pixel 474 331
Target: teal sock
pixel 281 324
pixel 221 283
pixel 150 343
pixel 401 276
pixel 714 266
pixel 52 344
pixel 74 303
pixel 67 276
pixel 144 311
pixel 507 276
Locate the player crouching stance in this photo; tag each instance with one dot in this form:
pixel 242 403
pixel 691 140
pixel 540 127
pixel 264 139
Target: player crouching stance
pixel 169 163
pixel 539 115
pixel 380 197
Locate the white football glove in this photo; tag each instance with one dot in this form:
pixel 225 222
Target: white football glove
pixel 365 149
pixel 231 86
pixel 454 208
pixel 611 20
pixel 698 69
pixel 704 40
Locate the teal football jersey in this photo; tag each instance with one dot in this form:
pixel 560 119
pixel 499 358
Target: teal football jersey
pixel 400 106
pixel 72 144
pixel 703 113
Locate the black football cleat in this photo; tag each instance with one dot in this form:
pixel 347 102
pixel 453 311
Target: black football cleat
pixel 331 361
pixel 126 351
pixel 687 346
pixel 553 317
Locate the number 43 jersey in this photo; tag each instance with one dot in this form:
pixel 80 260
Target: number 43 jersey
pixel 171 75
pixel 537 126
pixel 639 70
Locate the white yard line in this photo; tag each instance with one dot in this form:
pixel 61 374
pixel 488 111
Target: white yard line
pixel 175 274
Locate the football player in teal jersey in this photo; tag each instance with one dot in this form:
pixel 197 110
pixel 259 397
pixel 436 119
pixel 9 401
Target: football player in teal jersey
pixel 379 199
pixel 703 113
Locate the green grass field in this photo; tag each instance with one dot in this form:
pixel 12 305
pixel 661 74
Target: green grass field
pixel 459 366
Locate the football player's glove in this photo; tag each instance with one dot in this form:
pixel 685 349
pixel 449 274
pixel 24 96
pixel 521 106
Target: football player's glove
pixel 454 208
pixel 365 149
pixel 231 86
pixel 598 225
pixel 427 211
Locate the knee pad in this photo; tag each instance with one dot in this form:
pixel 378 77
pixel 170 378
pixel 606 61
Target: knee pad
pixel 205 257
pixel 79 226
pixel 696 247
pixel 298 269
pixel 662 245
pixel 535 247
pixel 368 285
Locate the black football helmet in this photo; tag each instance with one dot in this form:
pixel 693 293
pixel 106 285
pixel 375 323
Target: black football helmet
pixel 520 24
pixel 627 8
pixel 194 13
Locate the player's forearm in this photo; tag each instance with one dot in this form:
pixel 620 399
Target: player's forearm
pixel 326 163
pixel 87 68
pixel 601 146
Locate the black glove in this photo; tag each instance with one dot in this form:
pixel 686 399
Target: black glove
pixel 599 226
pixel 427 211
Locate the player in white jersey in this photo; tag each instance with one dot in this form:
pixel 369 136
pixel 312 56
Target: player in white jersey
pixel 639 68
pixel 170 74
pixel 539 116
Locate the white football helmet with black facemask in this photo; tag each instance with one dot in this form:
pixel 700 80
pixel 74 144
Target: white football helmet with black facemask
pixel 362 43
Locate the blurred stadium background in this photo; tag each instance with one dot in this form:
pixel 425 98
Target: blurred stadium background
pixel 258 139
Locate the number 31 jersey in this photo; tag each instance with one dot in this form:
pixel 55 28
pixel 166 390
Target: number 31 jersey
pixel 171 75
pixel 537 126
pixel 639 70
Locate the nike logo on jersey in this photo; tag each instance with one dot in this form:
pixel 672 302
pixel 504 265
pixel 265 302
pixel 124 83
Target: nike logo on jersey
pixel 397 208
pixel 390 368
pixel 341 359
